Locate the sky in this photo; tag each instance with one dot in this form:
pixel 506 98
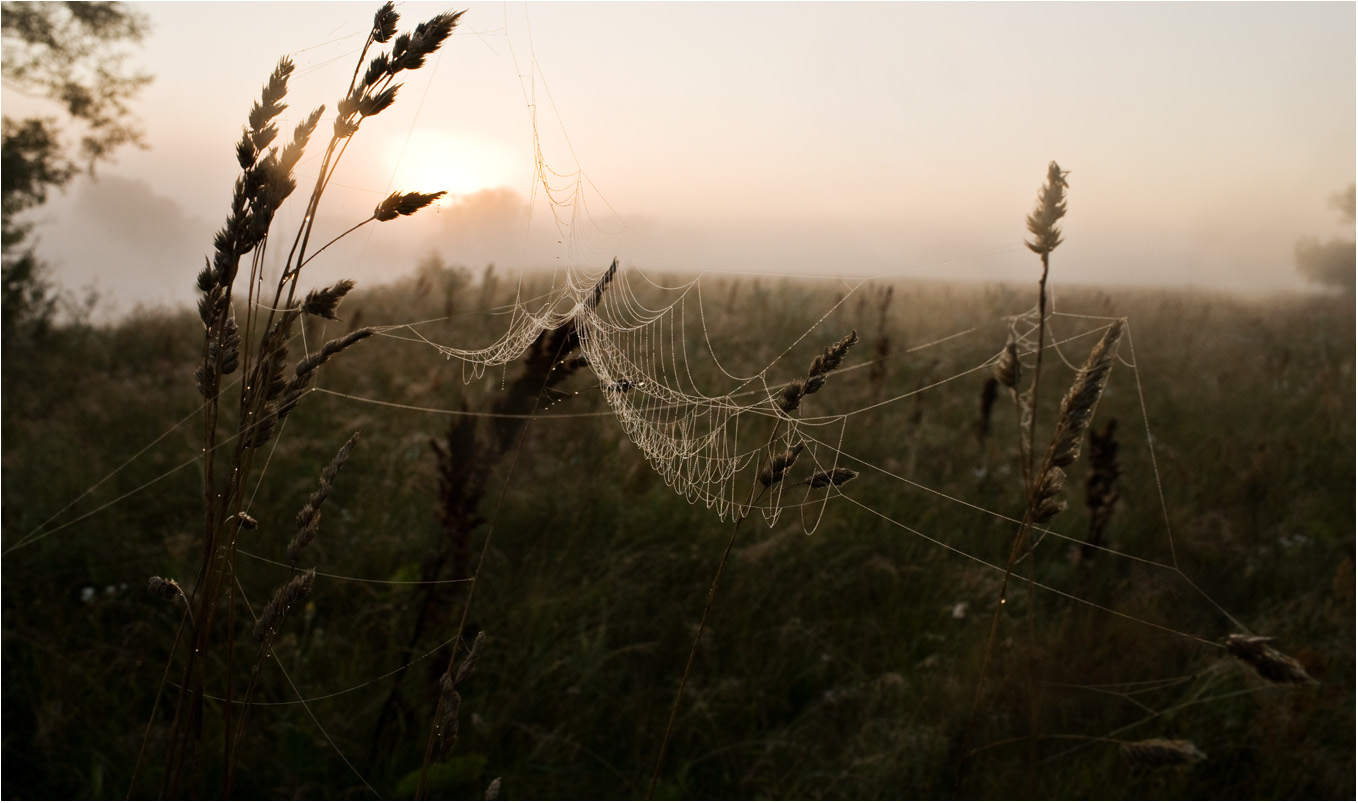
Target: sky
pixel 863 139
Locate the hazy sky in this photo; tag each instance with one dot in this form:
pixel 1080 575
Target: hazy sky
pixel 908 139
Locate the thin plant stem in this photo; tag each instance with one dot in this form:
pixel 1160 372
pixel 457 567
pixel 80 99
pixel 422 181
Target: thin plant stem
pixel 757 490
pixel 1029 470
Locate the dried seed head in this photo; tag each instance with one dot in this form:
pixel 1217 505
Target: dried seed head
pixel 230 346
pixel 409 50
pixel 259 433
pixel 323 303
pixel 833 478
pixel 270 105
pixel 450 705
pixel 344 128
pixel 377 69
pixel 408 203
pixel 790 397
pixel 245 150
pixel 493 791
pixel 260 140
pixel 291 154
pixel 347 106
pixel 1047 500
pixel 309 517
pixel 384 23
pixel 1009 370
pixel 1077 408
pixel 164 588
pixel 773 471
pixel 287 595
pixel 1160 752
pixel 450 701
pixel 268 379
pixel 830 359
pixel 306 367
pixel 1051 207
pixel 214 300
pixel 370 105
pixel 1271 664
pixel 1049 509
pixel 1053 482
pixel 207 278
pixel 469 663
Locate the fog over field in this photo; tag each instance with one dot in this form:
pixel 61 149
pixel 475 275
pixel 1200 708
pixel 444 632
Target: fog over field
pixel 784 401
pixel 1204 140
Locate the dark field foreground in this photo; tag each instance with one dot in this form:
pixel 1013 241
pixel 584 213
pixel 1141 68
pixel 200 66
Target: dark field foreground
pixel 843 662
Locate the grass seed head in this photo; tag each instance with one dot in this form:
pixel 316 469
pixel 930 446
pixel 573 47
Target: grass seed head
pixel 323 303
pixel 1151 753
pixel 469 663
pixel 309 517
pixel 833 478
pixel 1272 665
pixel 1048 500
pixel 1008 371
pixel 306 367
pixel 409 50
pixel 261 431
pixel 1051 207
pixel 450 704
pixel 407 203
pixel 829 360
pixel 287 595
pixel 790 397
pixel 384 23
pixel 163 587
pixel 1077 408
pixel 370 105
pixel 292 153
pixel 450 701
pixel 777 466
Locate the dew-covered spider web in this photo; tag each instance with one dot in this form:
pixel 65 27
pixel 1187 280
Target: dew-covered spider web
pixel 698 421
pixel 711 376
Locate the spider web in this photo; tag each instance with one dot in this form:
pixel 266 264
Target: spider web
pixel 704 413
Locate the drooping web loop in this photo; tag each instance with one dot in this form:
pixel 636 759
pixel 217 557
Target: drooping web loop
pixel 687 416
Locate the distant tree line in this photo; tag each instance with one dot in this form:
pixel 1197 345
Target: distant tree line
pixel 1331 262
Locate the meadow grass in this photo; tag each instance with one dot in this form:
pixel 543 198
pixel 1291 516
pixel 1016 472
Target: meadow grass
pixel 922 634
pixel 834 665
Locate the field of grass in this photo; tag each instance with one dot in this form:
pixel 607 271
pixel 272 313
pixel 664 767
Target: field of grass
pixel 842 660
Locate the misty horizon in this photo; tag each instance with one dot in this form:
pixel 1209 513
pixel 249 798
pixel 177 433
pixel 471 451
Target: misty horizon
pixel 138 247
pixel 1204 142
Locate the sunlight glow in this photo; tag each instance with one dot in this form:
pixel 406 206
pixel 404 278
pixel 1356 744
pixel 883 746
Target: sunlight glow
pixel 456 163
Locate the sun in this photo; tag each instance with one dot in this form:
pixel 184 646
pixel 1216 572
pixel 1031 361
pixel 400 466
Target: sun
pixel 455 163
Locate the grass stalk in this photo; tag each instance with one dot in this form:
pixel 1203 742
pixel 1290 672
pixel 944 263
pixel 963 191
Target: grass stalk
pixel 771 474
pixel 267 395
pixel 1044 481
pixel 544 366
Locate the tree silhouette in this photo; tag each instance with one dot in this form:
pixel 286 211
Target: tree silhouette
pixel 71 55
pixel 1331 262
